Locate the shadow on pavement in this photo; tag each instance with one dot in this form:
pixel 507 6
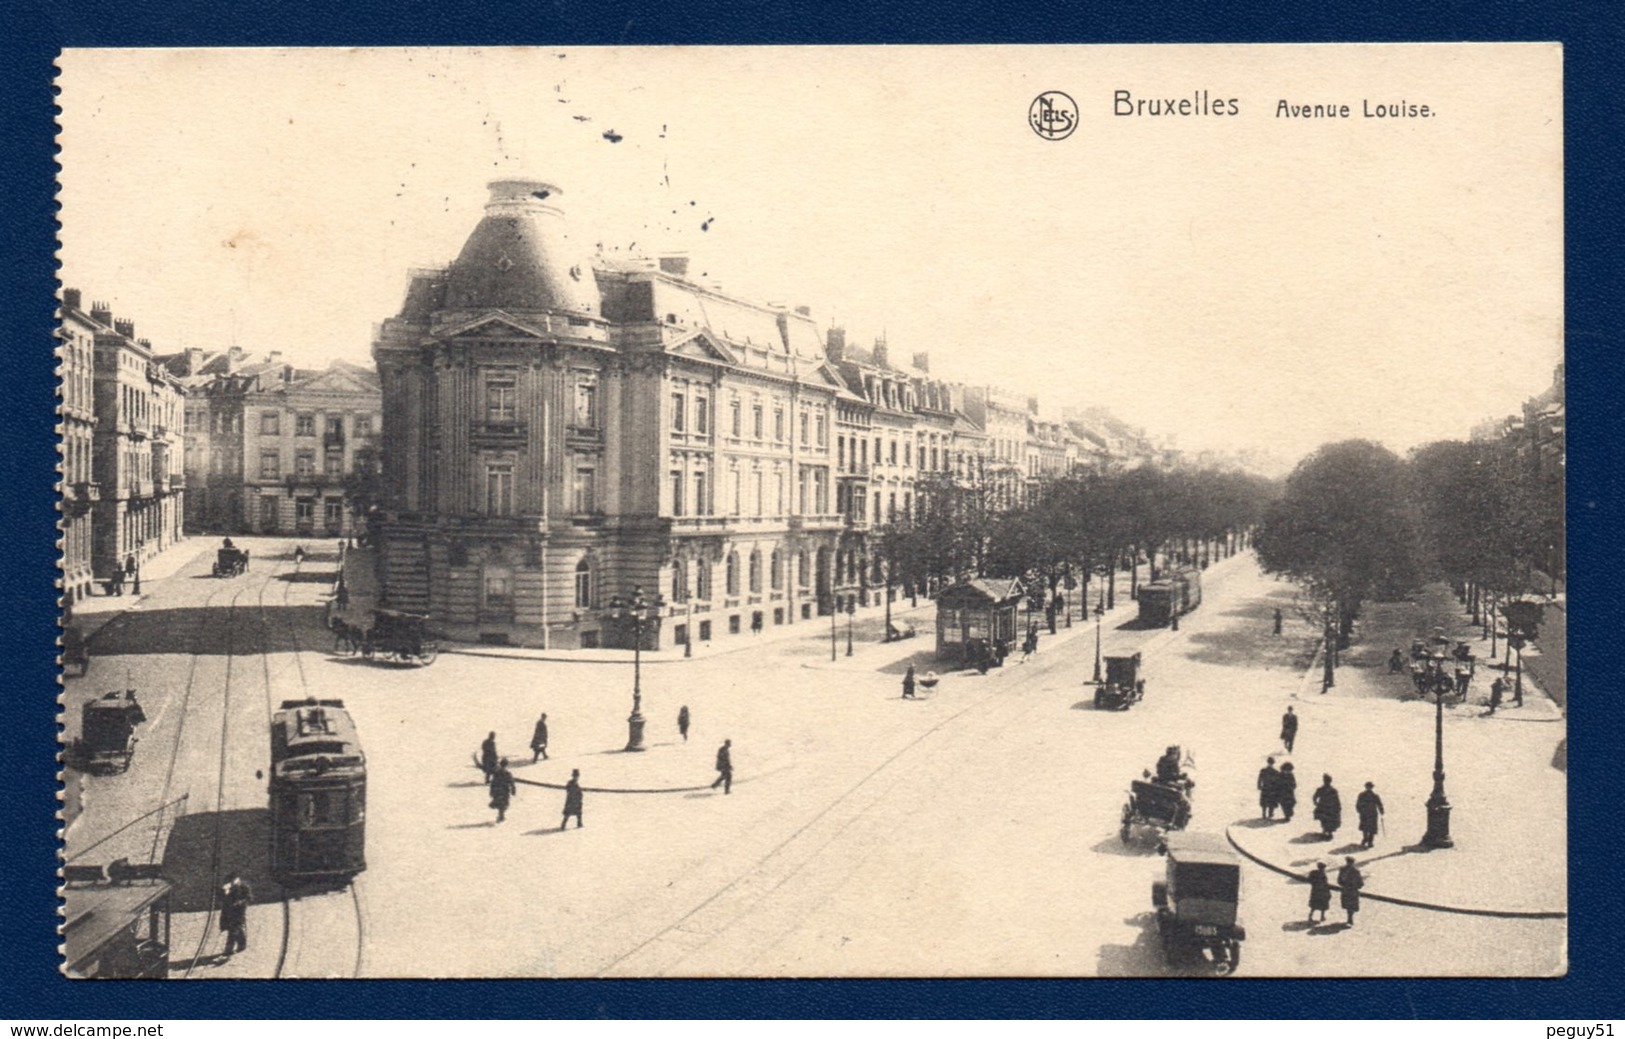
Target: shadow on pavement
pixel 244 844
pixel 309 577
pixel 272 629
pixel 1114 845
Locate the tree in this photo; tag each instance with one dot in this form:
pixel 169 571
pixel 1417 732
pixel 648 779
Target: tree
pixel 364 483
pixel 1344 530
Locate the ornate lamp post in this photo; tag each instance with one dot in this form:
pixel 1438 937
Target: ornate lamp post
pixel 851 608
pixel 834 611
pixel 1438 833
pixel 1100 611
pixel 638 609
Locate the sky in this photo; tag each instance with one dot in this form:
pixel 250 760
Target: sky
pixel 1245 281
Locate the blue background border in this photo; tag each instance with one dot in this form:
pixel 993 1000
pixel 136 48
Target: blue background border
pixel 1594 205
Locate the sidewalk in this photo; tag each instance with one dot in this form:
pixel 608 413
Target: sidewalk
pixel 93 614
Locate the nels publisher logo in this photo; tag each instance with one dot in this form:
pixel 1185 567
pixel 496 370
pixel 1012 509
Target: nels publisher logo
pixel 1053 115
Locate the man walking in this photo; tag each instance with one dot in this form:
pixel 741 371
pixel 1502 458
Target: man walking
pixel 503 789
pixel 1289 729
pixel 725 768
pixel 908 683
pixel 1287 794
pixel 234 899
pixel 538 739
pixel 682 722
pixel 1368 806
pixel 572 800
pixel 1349 881
pixel 488 757
pixel 1498 689
pixel 1269 789
pixel 1328 807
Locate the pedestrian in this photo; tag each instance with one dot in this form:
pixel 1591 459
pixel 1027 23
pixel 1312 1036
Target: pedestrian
pixel 1368 806
pixel 503 789
pixel 908 683
pixel 1277 622
pixel 115 584
pixel 1287 791
pixel 488 757
pixel 1269 789
pixel 1498 689
pixel 725 768
pixel 1029 645
pixel 1396 662
pixel 234 899
pixel 298 556
pixel 1289 729
pixel 341 598
pixel 572 800
pixel 538 739
pixel 1349 882
pixel 1320 892
pixel 682 721
pixel 1328 807
pixel 1463 677
pixel 1517 688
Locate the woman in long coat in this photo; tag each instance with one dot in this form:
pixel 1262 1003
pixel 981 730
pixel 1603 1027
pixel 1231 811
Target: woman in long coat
pixel 502 789
pixel 1350 881
pixel 1328 807
pixel 1286 790
pixel 1320 892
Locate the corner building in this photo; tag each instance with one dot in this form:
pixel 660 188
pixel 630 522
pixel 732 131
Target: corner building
pixel 559 429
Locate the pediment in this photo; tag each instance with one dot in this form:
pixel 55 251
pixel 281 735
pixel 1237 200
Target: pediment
pixel 496 324
pixel 704 346
pixel 337 380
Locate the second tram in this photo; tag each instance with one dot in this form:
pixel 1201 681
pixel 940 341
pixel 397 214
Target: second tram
pixel 318 792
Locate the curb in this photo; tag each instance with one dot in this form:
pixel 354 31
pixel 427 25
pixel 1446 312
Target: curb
pixel 1505 914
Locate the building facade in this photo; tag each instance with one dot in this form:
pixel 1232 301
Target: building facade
pixel 560 431
pixel 76 354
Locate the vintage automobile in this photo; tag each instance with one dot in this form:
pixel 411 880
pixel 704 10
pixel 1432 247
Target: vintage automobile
pixel 116 921
pixel 1123 686
pixel 230 562
pixel 75 649
pixel 1161 800
pixel 1196 903
pixel 107 733
pixel 403 636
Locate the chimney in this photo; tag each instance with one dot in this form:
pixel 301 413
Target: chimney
pixel 922 361
pixel 124 328
pixel 1032 405
pixel 675 264
pixel 804 310
pixel 101 313
pixel 71 298
pixel 835 344
pixel 881 360
pixel 275 357
pixel 234 357
pixel 194 359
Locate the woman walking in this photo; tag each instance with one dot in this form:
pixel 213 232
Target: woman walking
pixel 503 789
pixel 1328 807
pixel 1320 893
pixel 1286 791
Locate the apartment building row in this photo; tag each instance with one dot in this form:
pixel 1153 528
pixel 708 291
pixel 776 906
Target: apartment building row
pixel 560 429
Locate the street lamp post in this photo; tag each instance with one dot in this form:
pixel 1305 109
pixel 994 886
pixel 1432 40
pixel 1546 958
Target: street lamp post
pixel 851 608
pixel 638 609
pixel 1100 611
pixel 1438 833
pixel 833 610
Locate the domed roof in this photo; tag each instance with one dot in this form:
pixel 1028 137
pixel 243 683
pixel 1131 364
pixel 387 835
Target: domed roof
pixel 521 256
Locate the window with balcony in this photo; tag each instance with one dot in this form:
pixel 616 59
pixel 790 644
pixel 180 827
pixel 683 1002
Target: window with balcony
pixel 499 489
pixel 584 585
pixel 806 429
pixel 501 401
pixel 758 497
pixel 270 423
pixel 702 415
pixel 586 416
pixel 584 492
pixel 304 425
pixel 737 412
pixel 270 465
pixel 333 464
pixel 335 429
pixel 735 477
pixel 823 431
pixel 678 415
pixel 304 464
pixel 363 426
pixel 676 492
pixel 701 505
pixel 756 421
pixel 908 453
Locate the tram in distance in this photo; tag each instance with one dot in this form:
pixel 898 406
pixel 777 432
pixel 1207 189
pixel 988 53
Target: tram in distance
pixel 318 792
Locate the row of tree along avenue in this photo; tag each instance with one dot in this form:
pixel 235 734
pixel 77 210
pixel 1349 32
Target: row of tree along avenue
pixel 1356 522
pixel 1090 523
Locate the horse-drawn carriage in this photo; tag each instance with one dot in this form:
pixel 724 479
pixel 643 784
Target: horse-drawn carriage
pixel 1161 800
pixel 393 634
pixel 75 649
pixel 231 562
pixel 107 733
pixel 1123 686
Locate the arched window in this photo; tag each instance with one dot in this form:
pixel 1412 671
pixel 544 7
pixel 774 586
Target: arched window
pixel 776 570
pixel 679 581
pixel 732 584
pixel 755 571
pixel 584 588
pixel 803 574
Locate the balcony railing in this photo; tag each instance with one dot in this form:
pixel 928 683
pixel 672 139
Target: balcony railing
pixel 333 438
pixel 85 491
pixel 499 432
